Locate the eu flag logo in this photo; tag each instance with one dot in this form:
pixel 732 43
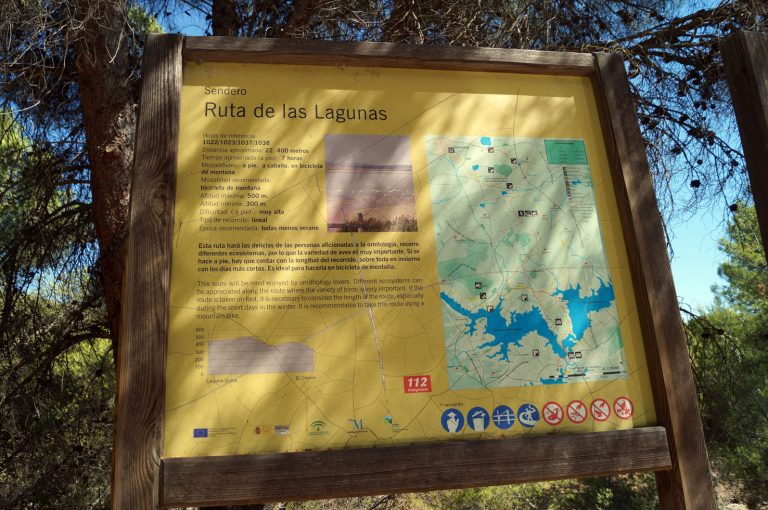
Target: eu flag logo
pixel 200 433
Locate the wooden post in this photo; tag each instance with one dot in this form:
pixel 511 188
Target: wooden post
pixel 745 55
pixel 688 484
pixel 141 356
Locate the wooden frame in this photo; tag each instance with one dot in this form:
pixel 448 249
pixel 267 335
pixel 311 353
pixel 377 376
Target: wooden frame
pixel 142 479
pixel 744 56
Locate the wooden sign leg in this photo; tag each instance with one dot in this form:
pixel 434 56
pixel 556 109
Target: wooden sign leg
pixel 141 355
pixel 745 55
pixel 688 484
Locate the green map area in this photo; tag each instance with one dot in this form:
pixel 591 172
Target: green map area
pixel 526 295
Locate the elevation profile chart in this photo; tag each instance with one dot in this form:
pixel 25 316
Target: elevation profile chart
pixel 250 355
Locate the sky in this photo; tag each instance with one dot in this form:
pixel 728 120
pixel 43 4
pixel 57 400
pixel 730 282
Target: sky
pixel 696 258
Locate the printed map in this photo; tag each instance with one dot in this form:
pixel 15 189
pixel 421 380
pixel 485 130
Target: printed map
pixel 527 298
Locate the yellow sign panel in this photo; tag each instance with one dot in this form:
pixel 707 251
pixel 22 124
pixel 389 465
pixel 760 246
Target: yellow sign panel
pixel 365 257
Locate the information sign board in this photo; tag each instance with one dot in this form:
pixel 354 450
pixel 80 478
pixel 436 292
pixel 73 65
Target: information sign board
pixel 375 268
pixel 360 254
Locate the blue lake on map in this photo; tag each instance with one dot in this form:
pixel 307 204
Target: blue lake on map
pixel 504 332
pixel 511 330
pixel 579 308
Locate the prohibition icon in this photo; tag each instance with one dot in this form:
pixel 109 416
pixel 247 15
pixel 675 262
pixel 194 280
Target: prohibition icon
pixel 600 409
pixel 623 408
pixel 577 411
pixel 552 413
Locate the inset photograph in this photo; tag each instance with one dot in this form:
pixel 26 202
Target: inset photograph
pixel 369 184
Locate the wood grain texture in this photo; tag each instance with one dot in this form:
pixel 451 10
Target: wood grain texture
pixel 745 55
pixel 688 484
pixel 344 473
pixel 296 51
pixel 141 357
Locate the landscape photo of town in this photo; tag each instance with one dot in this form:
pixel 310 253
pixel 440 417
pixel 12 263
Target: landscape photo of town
pixel 369 184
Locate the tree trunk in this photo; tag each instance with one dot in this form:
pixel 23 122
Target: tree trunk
pixel 224 19
pixel 109 117
pixel 298 21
